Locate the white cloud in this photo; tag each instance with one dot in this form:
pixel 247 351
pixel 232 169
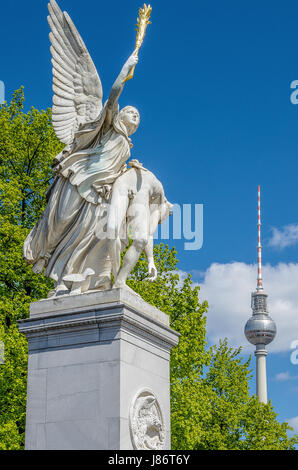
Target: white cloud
pixel 227 288
pixel 285 376
pixel 287 236
pixel 293 422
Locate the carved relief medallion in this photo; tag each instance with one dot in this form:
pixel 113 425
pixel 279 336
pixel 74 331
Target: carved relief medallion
pixel 146 422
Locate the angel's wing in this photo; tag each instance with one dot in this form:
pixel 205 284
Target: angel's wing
pixel 76 85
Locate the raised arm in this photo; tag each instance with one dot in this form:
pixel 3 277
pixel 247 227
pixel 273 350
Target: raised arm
pixel 119 84
pixel 105 118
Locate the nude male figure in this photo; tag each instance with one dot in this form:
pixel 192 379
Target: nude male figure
pixel 138 205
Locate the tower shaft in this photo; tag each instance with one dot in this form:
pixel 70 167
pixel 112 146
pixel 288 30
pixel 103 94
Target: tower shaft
pixel 261 373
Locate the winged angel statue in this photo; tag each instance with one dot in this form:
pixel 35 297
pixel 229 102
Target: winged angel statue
pixel 78 241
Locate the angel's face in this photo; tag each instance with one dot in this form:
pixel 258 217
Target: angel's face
pixel 131 119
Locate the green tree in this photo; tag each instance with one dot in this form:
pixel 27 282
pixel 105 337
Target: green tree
pixel 210 404
pixel 211 407
pixel 236 420
pixel 27 146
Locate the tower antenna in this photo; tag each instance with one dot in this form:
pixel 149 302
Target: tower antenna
pixel 260 280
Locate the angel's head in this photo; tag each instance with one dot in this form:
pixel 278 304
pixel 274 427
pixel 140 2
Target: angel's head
pixel 130 118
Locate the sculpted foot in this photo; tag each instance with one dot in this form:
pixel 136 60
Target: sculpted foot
pixel 61 289
pixel 104 283
pixel 38 267
pixel 76 283
pixel 51 294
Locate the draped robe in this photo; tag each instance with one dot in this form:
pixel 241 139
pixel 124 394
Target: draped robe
pixel 67 236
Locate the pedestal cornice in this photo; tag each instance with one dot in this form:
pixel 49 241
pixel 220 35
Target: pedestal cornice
pixel 110 310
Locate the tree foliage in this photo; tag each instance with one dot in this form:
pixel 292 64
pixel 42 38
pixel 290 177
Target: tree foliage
pixel 27 146
pixel 211 406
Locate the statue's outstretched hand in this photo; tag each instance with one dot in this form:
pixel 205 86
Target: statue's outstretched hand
pixel 133 60
pixel 152 272
pixel 128 68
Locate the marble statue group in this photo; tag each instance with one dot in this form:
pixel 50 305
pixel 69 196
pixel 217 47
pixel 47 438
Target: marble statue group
pixel 97 202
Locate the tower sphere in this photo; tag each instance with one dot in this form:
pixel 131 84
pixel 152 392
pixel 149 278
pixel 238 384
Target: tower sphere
pixel 260 329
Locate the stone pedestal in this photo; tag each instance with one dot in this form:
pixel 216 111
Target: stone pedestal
pixel 98 373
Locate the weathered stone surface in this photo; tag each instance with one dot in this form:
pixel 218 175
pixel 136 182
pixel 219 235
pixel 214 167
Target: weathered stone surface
pixel 89 356
pixel 119 296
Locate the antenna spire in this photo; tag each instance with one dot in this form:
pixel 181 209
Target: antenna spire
pixel 260 280
pixel 260 329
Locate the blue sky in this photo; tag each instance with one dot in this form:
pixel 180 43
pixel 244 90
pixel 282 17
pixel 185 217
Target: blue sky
pixel 213 90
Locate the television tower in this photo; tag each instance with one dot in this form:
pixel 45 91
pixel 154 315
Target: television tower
pixel 260 329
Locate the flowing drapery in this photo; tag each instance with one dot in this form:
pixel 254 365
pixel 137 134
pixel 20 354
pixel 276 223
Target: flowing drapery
pixel 69 237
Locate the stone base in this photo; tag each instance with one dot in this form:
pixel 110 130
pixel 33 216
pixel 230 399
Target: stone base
pixel 98 368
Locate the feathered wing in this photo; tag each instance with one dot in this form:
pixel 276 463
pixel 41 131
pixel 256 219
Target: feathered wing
pixel 76 84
